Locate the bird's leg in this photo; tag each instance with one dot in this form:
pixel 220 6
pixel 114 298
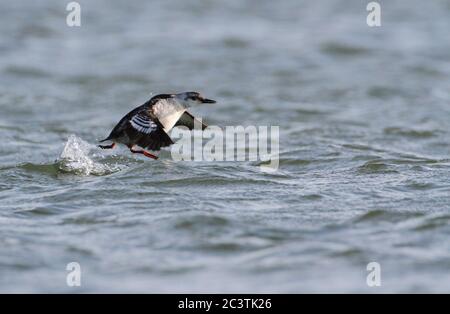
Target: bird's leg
pixel 143 152
pixel 107 146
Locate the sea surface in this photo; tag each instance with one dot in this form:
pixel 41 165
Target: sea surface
pixel 364 174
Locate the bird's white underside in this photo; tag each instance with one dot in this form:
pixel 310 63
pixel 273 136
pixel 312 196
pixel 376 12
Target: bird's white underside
pixel 168 112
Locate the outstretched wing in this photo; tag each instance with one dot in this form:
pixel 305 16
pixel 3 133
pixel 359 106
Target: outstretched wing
pixel 190 121
pixel 146 131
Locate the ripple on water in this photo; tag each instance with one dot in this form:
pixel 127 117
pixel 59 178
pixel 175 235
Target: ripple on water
pixel 235 42
pixel 412 133
pixel 433 222
pixel 381 215
pixel 419 186
pixel 383 92
pixel 50 169
pixel 196 221
pixel 220 234
pixel 27 72
pixel 375 167
pixel 344 50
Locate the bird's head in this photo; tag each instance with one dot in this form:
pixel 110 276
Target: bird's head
pixel 192 98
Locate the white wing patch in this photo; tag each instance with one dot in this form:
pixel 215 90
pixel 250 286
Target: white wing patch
pixel 168 112
pixel 143 124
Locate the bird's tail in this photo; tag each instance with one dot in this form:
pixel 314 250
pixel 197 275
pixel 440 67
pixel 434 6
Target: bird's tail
pixel 106 139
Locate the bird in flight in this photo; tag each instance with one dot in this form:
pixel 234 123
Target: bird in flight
pixel 148 125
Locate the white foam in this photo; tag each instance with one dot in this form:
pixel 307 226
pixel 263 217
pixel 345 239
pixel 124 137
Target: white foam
pixel 75 158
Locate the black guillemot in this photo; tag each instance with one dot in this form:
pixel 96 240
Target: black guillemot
pixel 148 125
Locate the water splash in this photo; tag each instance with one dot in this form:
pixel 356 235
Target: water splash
pixel 75 159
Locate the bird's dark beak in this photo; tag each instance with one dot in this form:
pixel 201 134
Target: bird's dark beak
pixel 208 101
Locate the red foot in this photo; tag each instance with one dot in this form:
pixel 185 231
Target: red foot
pixel 150 155
pixel 143 152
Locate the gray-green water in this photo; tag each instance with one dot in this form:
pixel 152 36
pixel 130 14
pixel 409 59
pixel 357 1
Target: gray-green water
pixel 364 147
